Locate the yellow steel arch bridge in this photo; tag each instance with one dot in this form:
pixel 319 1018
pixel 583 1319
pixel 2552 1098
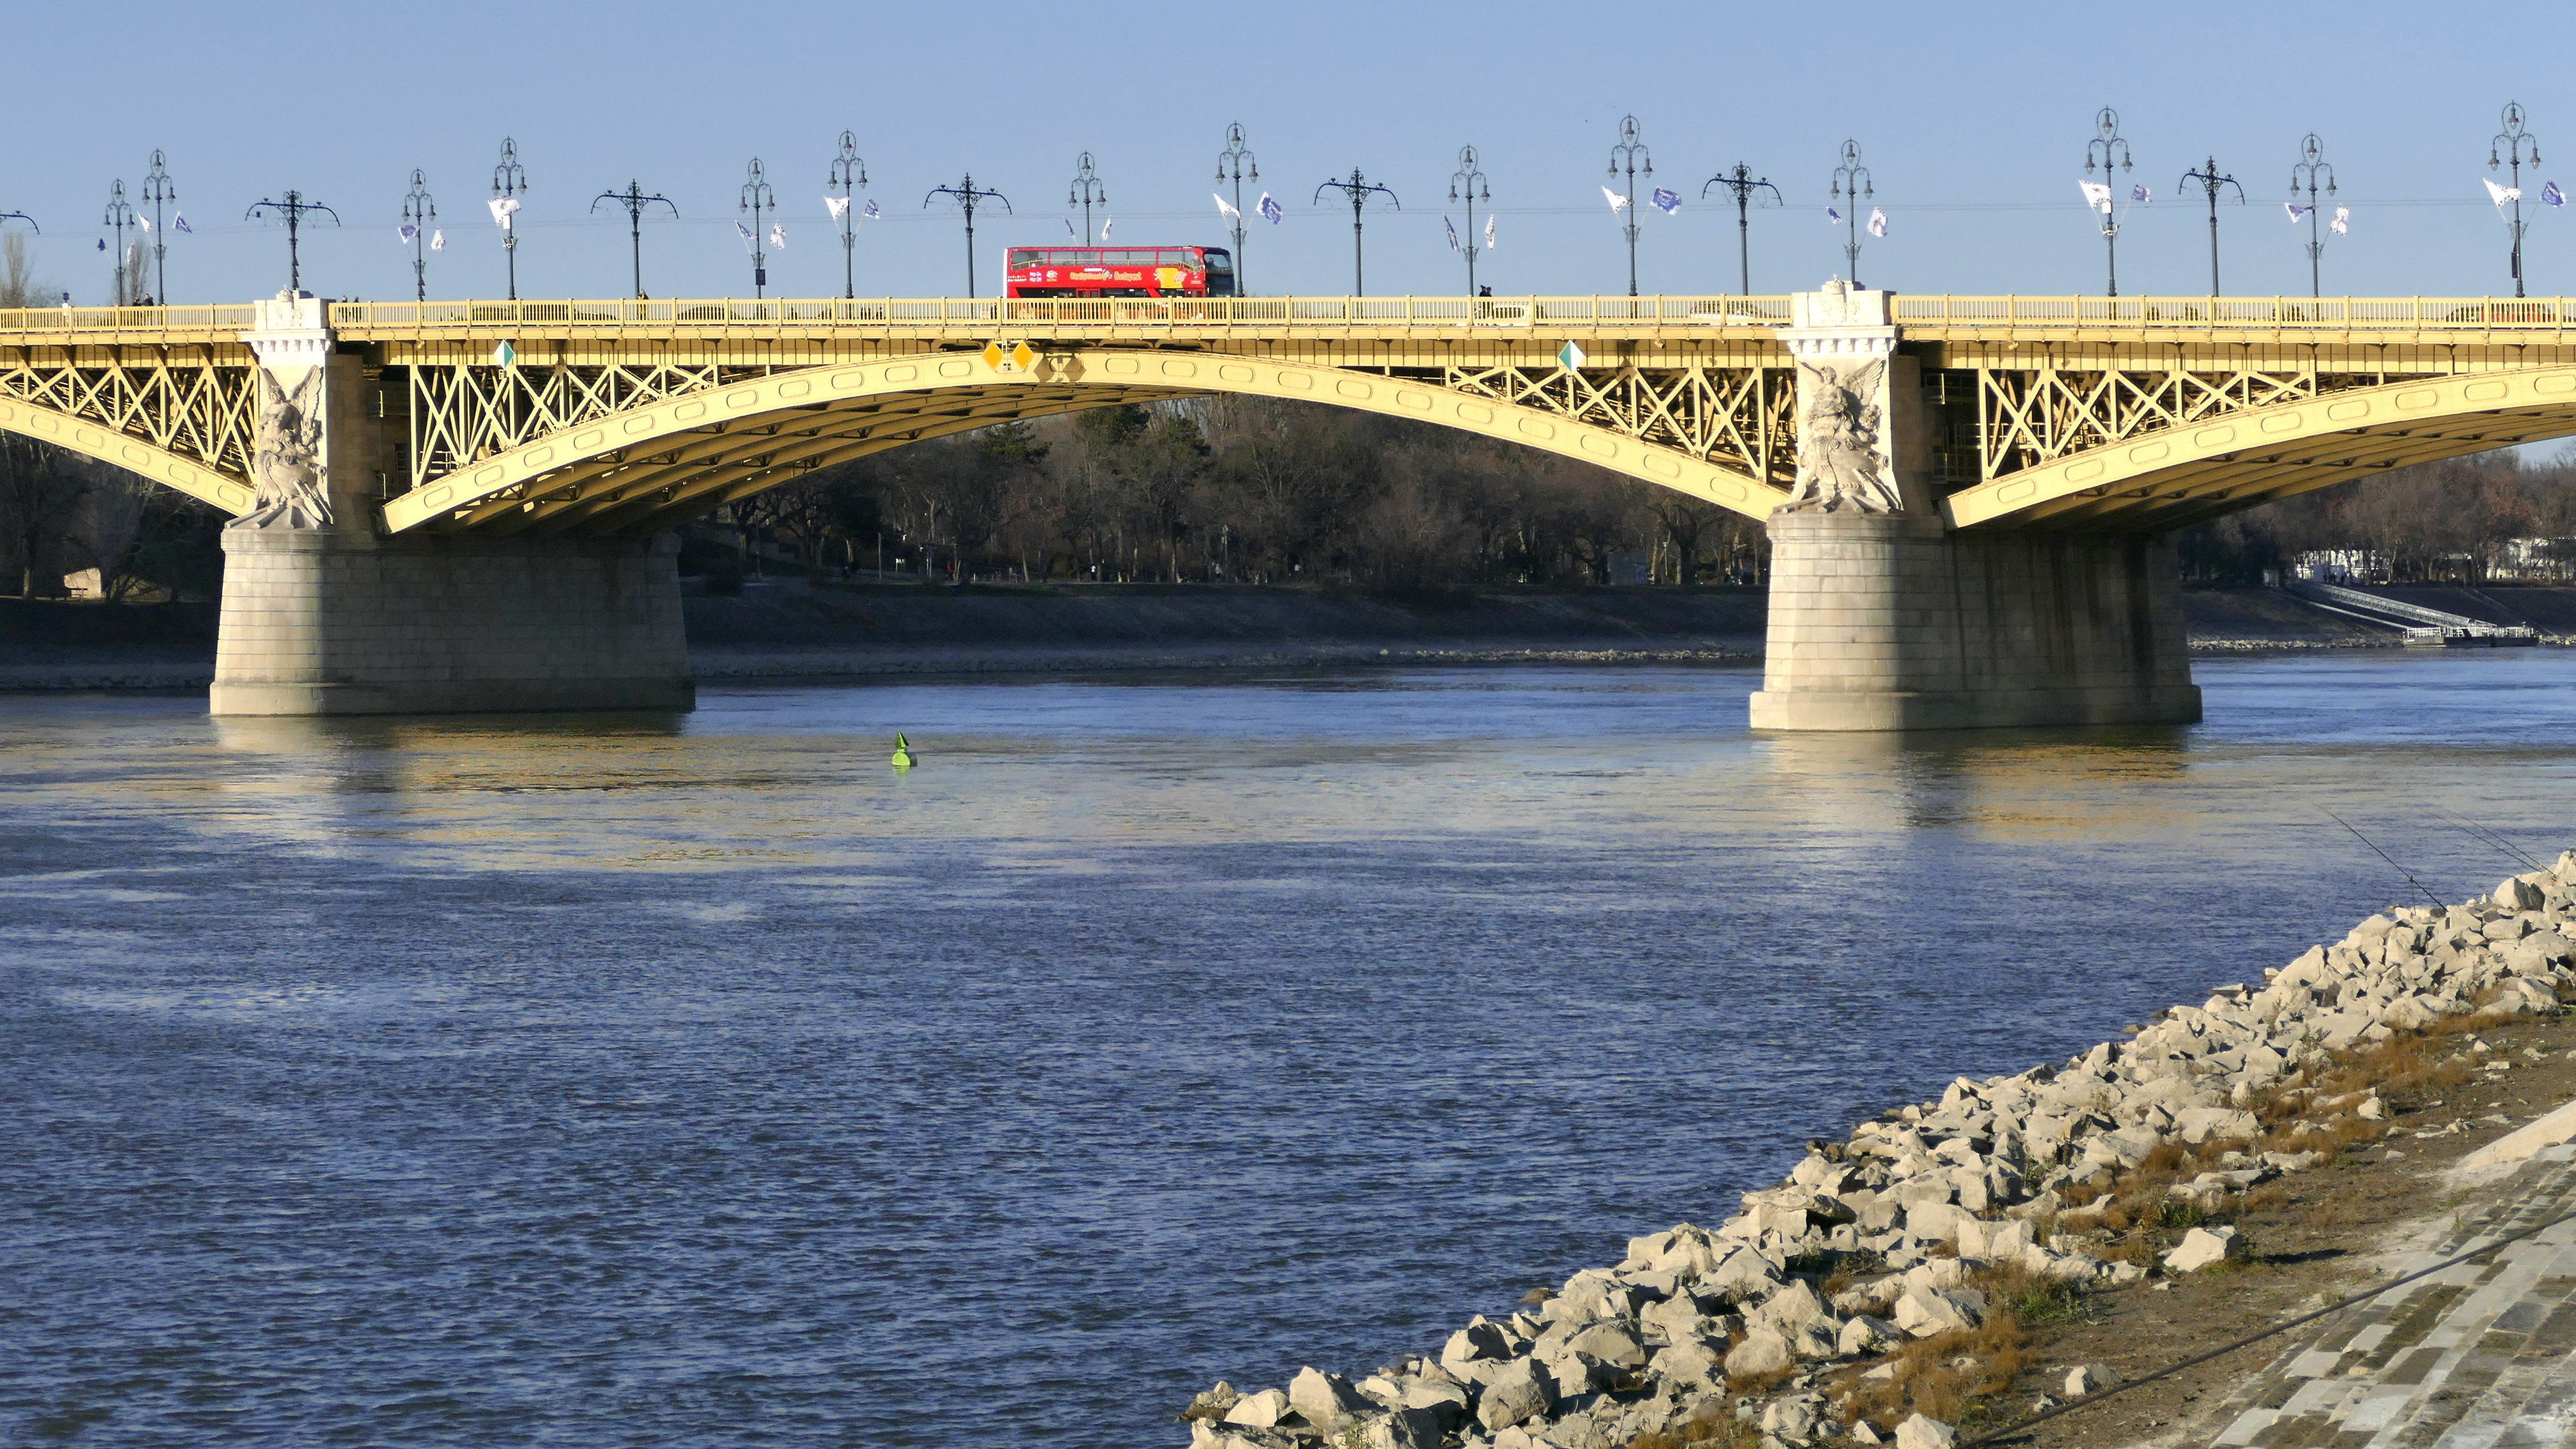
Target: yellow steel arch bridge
pixel 2106 415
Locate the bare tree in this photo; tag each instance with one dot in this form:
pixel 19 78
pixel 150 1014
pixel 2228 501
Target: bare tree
pixel 18 287
pixel 41 490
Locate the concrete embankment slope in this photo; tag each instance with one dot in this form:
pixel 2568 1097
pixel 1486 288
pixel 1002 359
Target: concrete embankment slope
pixel 56 644
pixel 1899 1281
pixel 790 629
pixel 2481 1353
pixel 793 630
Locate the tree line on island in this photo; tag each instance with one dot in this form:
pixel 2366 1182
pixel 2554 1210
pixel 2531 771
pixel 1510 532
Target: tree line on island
pixel 1255 491
pixel 1246 491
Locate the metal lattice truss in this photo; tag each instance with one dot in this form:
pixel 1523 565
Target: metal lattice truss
pixel 1739 418
pixel 2026 418
pixel 605 450
pixel 685 475
pixel 2148 451
pixel 205 413
pixel 461 415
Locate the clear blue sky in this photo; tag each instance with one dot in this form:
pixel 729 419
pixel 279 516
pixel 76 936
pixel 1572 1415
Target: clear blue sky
pixel 1973 119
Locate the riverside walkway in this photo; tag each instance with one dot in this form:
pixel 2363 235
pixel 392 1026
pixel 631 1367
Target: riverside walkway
pixel 2481 1356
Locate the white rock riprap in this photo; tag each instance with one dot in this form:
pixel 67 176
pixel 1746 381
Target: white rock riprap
pixel 1926 1197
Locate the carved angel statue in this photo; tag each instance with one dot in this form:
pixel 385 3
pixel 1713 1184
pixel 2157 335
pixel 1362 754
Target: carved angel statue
pixel 287 464
pixel 1839 465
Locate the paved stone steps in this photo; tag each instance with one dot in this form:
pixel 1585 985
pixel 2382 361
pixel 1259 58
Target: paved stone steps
pixel 2479 1356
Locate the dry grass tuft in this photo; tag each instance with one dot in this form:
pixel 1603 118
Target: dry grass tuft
pixel 1710 1428
pixel 1929 1379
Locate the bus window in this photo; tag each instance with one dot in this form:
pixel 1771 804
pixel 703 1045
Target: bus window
pixel 1220 273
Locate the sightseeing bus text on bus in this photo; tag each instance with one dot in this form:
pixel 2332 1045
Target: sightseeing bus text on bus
pixel 1119 272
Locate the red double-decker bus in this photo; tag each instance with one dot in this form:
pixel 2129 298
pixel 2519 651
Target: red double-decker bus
pixel 1118 272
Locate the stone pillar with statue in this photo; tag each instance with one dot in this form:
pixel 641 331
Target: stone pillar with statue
pixel 1882 617
pixel 325 614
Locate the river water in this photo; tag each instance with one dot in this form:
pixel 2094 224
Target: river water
pixel 705 1082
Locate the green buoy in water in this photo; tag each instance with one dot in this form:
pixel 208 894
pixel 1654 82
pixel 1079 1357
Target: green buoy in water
pixel 902 752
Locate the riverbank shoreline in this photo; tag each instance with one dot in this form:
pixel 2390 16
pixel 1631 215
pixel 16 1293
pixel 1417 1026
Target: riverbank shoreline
pixel 1943 1268
pixel 793 631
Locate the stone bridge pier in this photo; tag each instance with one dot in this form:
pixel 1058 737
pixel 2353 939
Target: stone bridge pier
pixel 1884 617
pixel 323 613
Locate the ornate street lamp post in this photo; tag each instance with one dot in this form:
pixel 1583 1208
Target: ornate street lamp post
pixel 1468 184
pixel 756 198
pixel 120 215
pixel 2311 167
pixel 1743 183
pixel 293 209
pixel 2111 151
pixel 2512 147
pixel 1086 192
pixel 1235 164
pixel 509 181
pixel 633 201
pixel 966 195
pixel 1631 156
pixel 1358 189
pixel 848 174
pixel 418 213
pixel 157 193
pixel 1851 187
pixel 2212 181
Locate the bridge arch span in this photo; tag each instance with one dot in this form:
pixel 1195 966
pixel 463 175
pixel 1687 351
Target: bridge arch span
pixel 825 414
pixel 2170 477
pixel 124 450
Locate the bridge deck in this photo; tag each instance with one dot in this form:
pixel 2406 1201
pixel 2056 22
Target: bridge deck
pixel 1928 318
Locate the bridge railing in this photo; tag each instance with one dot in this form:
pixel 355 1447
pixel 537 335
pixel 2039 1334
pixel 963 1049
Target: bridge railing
pixel 1074 312
pixel 2358 314
pixel 216 318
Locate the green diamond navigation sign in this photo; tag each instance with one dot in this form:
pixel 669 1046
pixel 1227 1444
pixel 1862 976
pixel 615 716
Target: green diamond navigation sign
pixel 1569 357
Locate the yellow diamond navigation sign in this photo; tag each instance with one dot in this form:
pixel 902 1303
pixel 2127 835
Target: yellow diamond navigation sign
pixel 1023 355
pixel 992 354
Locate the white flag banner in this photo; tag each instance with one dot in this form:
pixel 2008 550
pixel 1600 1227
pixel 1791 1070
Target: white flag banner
pixel 778 235
pixel 410 233
pixel 2342 223
pixel 1452 228
pixel 1069 231
pixel 1877 222
pixel 1228 209
pixel 438 240
pixel 1489 233
pixel 2097 197
pixel 1106 223
pixel 503 208
pixel 839 206
pixel 144 222
pixel 749 237
pixel 872 213
pixel 1617 202
pixel 2501 194
pixel 2296 211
